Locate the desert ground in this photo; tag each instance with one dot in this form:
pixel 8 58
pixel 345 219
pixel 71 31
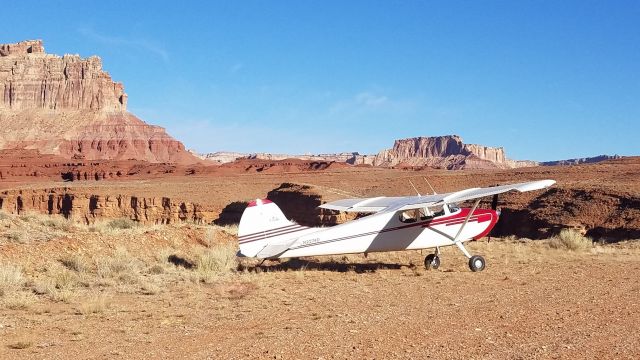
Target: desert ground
pixel 116 288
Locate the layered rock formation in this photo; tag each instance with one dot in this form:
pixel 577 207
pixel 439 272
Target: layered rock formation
pixel 87 208
pixel 448 152
pixel 353 158
pixel 589 160
pixel 69 106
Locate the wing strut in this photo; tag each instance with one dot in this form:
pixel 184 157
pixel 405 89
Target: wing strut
pixel 466 220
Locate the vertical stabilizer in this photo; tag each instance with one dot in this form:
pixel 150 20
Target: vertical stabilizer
pixel 261 221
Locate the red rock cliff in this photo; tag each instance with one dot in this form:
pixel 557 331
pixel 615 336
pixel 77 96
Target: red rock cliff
pixel 68 106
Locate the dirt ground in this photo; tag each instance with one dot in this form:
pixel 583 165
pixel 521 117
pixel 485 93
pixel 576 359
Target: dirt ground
pixel 530 302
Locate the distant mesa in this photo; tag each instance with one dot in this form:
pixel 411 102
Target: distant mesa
pixel 444 152
pixel 68 106
pixel 588 160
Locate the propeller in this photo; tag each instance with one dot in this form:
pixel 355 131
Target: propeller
pixel 494 206
pixel 494 202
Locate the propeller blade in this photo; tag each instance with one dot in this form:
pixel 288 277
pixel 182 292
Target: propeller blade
pixel 494 202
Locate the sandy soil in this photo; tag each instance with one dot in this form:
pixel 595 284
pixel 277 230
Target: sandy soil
pixel 531 302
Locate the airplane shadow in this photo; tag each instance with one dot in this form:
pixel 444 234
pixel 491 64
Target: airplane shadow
pixel 302 264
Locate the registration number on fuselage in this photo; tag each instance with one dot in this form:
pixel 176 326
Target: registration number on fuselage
pixel 310 241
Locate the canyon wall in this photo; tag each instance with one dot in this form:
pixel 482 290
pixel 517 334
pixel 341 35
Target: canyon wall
pixel 69 106
pixel 88 208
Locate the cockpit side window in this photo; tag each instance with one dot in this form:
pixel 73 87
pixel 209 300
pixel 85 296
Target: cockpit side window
pixel 408 216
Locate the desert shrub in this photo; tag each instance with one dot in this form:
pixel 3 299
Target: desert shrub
pixel 3 215
pixel 231 229
pixel 16 236
pixel 11 278
pixel 28 217
pixel 570 239
pixel 59 284
pixel 75 262
pixel 121 224
pixel 57 223
pixel 18 300
pixel 216 260
pixel 44 286
pixel 93 304
pixel 65 278
pixel 121 266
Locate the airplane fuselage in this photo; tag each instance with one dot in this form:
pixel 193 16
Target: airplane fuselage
pixel 387 231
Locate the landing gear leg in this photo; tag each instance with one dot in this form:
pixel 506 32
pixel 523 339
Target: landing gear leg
pixel 476 262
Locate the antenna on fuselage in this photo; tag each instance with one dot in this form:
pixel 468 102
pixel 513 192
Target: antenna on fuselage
pixel 432 189
pixel 414 188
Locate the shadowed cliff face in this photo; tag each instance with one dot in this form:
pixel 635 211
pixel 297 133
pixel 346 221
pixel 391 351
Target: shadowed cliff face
pixel 68 106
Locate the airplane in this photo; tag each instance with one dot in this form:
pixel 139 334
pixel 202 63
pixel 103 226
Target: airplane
pixel 394 224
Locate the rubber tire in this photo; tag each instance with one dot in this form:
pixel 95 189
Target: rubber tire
pixel 432 261
pixel 476 263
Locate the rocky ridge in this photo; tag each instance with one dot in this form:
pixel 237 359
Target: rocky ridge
pixel 578 161
pixel 87 208
pixel 442 152
pixel 223 157
pixel 69 106
pixel 447 152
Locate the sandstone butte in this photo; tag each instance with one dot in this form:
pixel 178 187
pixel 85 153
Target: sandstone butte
pixel 68 106
pixel 443 152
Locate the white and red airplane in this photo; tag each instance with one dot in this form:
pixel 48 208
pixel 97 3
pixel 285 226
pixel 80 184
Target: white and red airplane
pixel 397 223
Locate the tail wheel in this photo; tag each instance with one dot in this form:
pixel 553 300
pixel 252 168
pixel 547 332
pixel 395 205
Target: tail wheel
pixel 432 261
pixel 476 263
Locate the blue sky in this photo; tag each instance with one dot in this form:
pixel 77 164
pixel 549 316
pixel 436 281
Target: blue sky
pixel 545 79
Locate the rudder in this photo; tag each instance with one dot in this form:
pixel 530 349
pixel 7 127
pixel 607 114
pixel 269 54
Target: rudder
pixel 260 220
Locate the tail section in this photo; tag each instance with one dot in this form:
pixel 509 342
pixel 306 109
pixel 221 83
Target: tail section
pixel 261 222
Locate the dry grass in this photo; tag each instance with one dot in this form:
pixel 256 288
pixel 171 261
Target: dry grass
pixel 122 224
pixel 75 262
pixel 121 267
pixel 215 261
pixel 59 284
pixel 93 304
pixel 569 239
pixel 56 222
pixel 18 300
pixel 11 279
pixel 15 236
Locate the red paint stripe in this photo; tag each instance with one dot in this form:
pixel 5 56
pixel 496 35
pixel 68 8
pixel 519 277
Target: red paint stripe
pixel 254 202
pixel 494 220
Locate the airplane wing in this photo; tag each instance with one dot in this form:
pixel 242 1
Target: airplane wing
pixel 379 204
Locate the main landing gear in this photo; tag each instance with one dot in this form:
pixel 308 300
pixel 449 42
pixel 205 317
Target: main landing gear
pixel 432 261
pixel 476 262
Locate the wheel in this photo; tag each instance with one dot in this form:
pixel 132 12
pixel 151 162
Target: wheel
pixel 476 263
pixel 432 261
